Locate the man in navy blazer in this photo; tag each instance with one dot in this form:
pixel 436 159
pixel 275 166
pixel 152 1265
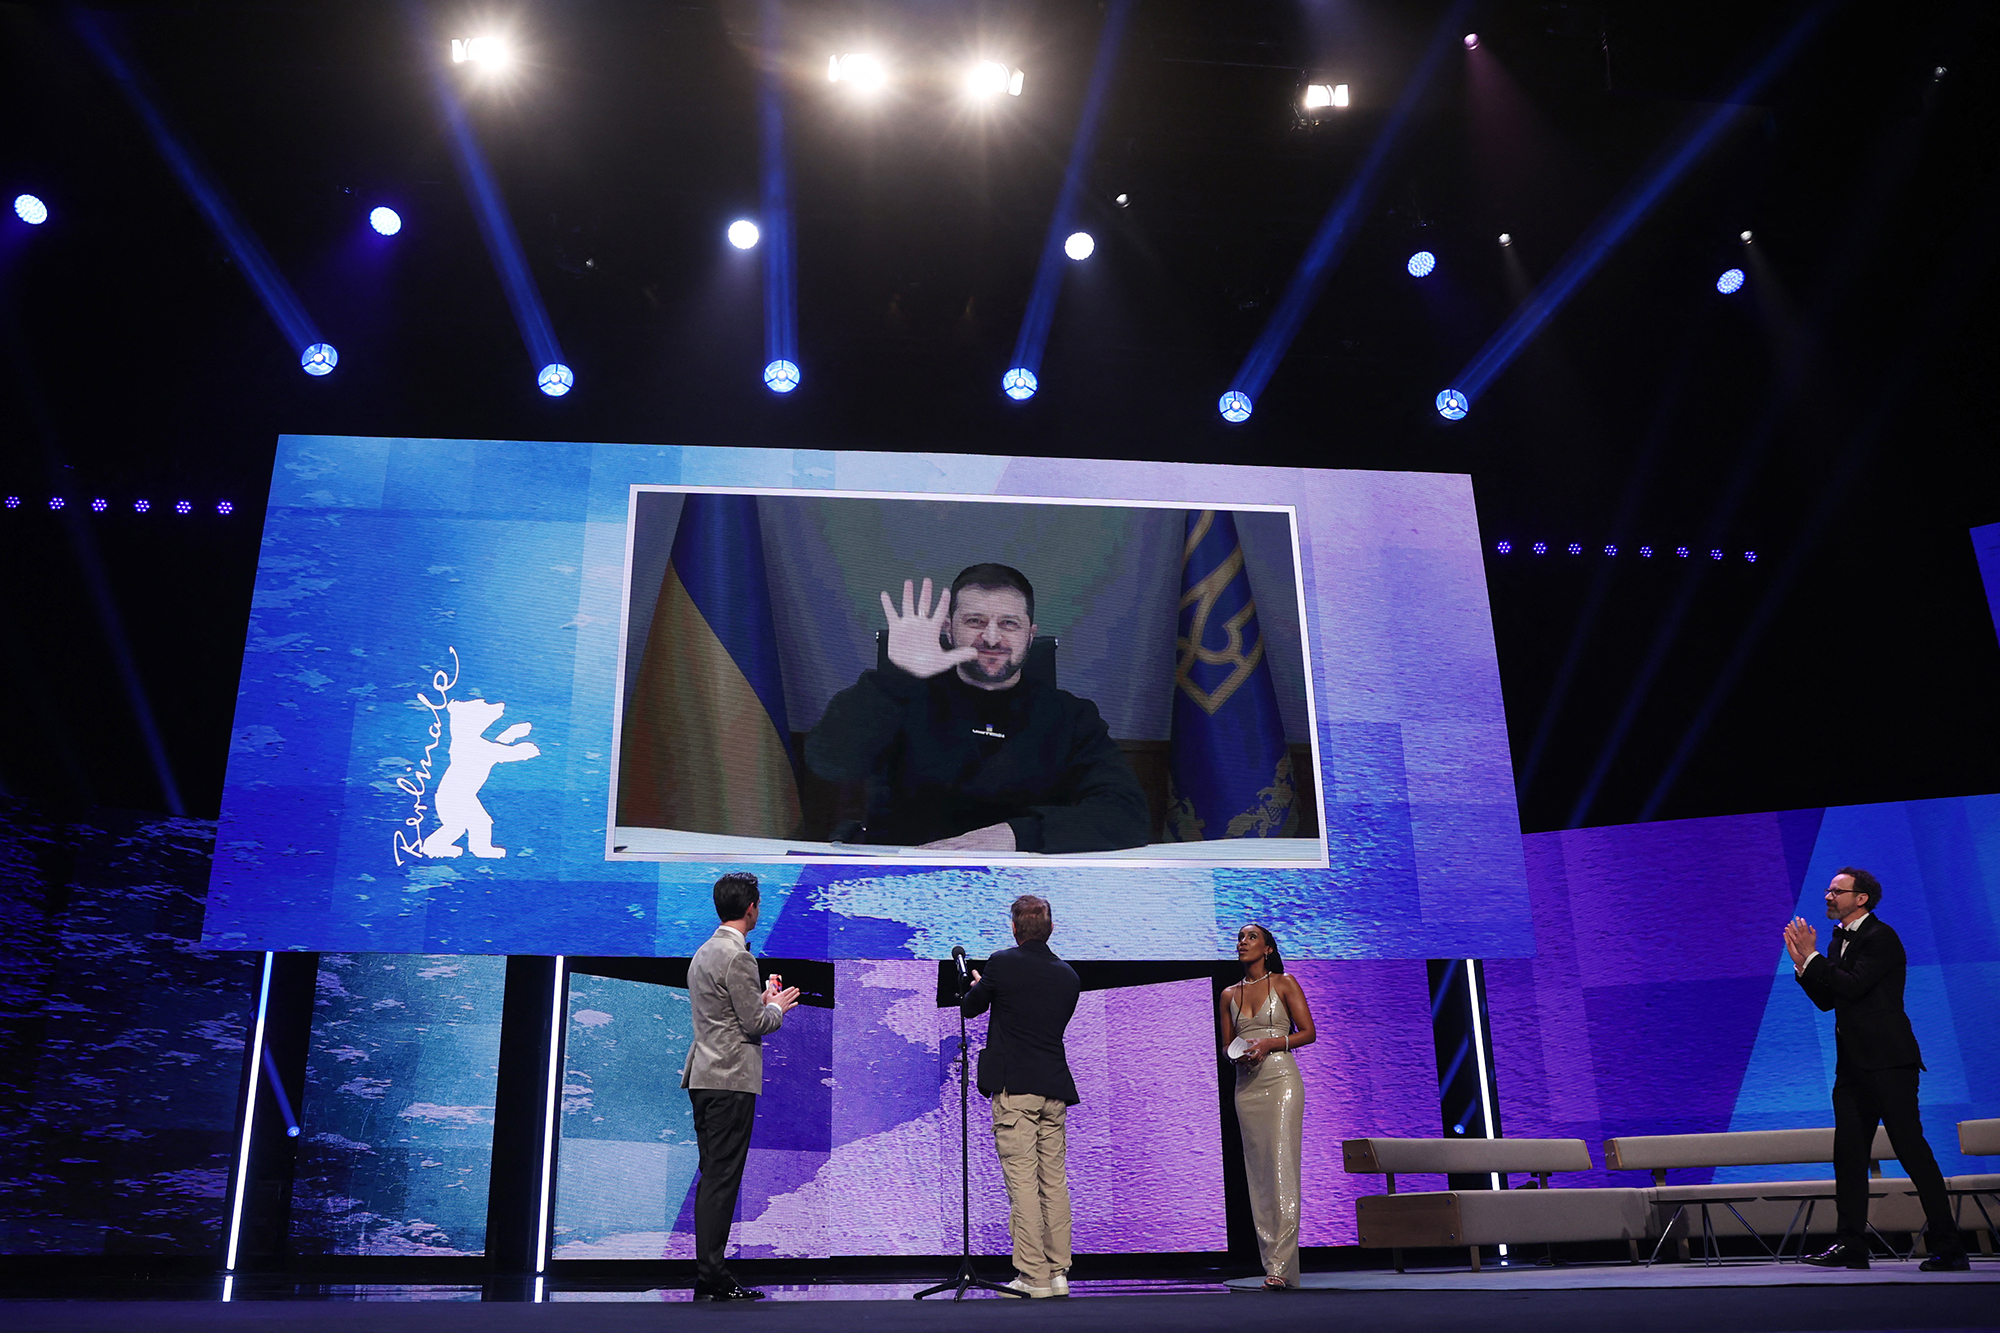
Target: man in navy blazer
pixel 1023 1069
pixel 1860 978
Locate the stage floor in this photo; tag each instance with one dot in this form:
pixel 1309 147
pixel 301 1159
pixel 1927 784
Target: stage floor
pixel 1739 1298
pixel 1734 1273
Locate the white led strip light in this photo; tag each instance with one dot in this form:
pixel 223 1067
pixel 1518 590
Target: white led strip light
pixel 249 1117
pixel 1479 1060
pixel 557 1016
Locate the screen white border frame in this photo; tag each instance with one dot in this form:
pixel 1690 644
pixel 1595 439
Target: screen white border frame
pixel 1036 859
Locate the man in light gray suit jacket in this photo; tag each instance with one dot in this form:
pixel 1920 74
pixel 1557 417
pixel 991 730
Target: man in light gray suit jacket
pixel 724 1073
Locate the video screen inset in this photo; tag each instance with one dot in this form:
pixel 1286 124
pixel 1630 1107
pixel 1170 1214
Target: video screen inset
pixel 512 697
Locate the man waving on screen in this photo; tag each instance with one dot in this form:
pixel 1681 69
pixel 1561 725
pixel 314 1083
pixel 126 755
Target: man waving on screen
pixel 962 752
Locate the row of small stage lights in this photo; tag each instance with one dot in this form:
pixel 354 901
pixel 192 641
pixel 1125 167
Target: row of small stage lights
pixel 1612 549
pixel 141 505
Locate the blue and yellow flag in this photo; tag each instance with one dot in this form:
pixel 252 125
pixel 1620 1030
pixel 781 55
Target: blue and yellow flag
pixel 1231 775
pixel 707 748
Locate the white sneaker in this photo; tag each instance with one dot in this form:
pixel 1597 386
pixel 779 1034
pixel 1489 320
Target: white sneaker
pixel 1059 1282
pixel 1032 1293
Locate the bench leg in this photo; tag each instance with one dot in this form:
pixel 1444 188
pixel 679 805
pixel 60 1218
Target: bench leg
pixel 1475 1257
pixel 1396 1260
pixel 1632 1245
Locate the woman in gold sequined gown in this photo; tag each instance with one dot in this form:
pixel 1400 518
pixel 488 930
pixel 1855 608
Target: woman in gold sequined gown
pixel 1268 1010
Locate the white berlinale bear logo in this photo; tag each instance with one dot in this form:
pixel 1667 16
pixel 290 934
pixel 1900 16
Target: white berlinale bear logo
pixel 472 757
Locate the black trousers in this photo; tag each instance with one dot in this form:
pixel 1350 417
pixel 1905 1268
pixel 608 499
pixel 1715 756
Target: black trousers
pixel 722 1121
pixel 1861 1100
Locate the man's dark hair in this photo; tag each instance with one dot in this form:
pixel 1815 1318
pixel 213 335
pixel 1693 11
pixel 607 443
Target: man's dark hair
pixel 990 575
pixel 1864 883
pixel 734 894
pixel 1033 922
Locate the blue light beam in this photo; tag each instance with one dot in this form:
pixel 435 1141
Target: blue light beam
pixel 503 244
pixel 1337 228
pixel 1041 312
pixel 279 300
pixel 781 274
pixel 1626 212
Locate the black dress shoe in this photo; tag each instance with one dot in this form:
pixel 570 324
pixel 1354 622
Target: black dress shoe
pixel 1841 1254
pixel 725 1291
pixel 1946 1263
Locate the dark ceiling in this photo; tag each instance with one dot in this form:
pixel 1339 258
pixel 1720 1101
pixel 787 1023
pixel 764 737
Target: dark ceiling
pixel 1834 416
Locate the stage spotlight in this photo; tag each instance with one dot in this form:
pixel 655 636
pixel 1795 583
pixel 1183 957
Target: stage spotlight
pixel 99 505
pixel 1234 406
pixel 1744 237
pixel 183 507
pixel 1123 200
pixel 556 379
pixel 56 502
pixel 1730 281
pixel 1019 384
pixel 1751 556
pixel 1540 548
pixel 319 359
pixel 30 210
pixel 1080 245
pixel 1506 238
pixel 990 78
pixel 743 234
pixel 1681 551
pixel 1451 405
pixel 224 508
pixel 142 506
pixel 1503 547
pixel 387 221
pixel 1645 553
pixel 865 72
pixel 1421 263
pixel 1472 41
pixel 488 51
pixel 13 502
pixel 1715 555
pixel 781 376
pixel 1576 548
pixel 1610 550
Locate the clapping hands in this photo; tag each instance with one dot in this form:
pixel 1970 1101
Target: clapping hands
pixel 1801 940
pixel 785 998
pixel 915 636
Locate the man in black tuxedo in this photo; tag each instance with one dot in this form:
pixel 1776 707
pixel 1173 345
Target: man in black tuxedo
pixel 1023 1069
pixel 1860 978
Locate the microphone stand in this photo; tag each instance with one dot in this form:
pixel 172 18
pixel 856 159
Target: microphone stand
pixel 966 1277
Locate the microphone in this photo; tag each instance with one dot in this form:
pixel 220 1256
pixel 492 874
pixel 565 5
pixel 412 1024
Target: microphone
pixel 958 961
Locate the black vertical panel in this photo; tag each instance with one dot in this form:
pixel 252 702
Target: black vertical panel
pixel 267 1195
pixel 1242 1228
pixel 520 1116
pixel 1458 1001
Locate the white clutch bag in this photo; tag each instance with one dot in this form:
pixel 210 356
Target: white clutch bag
pixel 1238 1049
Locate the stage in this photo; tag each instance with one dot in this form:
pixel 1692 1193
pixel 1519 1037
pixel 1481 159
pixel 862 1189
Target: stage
pixel 1726 1299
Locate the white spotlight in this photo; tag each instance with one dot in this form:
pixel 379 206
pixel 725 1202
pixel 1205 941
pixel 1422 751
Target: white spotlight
pixel 988 78
pixel 1318 96
pixel 743 234
pixel 1745 237
pixel 1506 238
pixel 1340 94
pixel 1472 41
pixel 490 51
pixel 1123 200
pixel 1079 245
pixel 865 72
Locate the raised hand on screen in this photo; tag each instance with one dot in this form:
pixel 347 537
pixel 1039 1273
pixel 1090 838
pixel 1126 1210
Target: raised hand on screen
pixel 915 635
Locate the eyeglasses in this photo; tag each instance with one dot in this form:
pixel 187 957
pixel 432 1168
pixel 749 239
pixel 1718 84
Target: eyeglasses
pixel 1839 893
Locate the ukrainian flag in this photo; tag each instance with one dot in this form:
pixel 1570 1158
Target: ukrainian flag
pixel 707 747
pixel 1231 773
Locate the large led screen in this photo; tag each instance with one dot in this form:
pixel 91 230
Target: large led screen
pixel 508 697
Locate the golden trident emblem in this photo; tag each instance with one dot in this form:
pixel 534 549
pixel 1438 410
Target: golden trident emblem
pixel 1203 596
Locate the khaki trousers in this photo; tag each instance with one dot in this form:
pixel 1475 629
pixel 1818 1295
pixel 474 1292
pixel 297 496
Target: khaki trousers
pixel 1029 1135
